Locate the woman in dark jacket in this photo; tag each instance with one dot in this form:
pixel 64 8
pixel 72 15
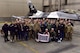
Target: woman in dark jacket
pixel 5 29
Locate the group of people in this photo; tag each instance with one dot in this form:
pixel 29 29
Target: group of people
pixel 25 29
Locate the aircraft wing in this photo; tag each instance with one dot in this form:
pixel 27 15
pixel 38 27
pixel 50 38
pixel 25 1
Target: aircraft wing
pixel 18 17
pixel 58 14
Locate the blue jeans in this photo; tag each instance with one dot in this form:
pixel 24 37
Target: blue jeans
pixel 26 35
pixel 61 35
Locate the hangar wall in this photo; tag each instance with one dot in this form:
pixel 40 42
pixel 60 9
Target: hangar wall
pixel 16 7
pixel 73 4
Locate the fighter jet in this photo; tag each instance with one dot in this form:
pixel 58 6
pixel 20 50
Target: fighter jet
pixel 34 13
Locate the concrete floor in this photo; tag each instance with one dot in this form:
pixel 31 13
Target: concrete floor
pixel 33 47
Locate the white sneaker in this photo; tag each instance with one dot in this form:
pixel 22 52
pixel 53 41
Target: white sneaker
pixel 11 40
pixel 37 40
pixel 60 38
pixel 59 41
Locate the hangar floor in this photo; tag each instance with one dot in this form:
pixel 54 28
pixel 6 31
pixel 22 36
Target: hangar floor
pixel 33 47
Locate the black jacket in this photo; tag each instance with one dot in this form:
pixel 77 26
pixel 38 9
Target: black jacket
pixel 26 28
pixel 12 28
pixel 61 27
pixel 43 27
pixel 5 28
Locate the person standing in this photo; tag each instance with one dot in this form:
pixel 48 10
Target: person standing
pixel 12 31
pixel 43 27
pixel 61 28
pixel 5 29
pixel 21 31
pixel 56 30
pixel 26 31
pixel 53 25
pixel 69 31
pixel 31 31
pixel 36 28
pixel 49 25
pixel 17 31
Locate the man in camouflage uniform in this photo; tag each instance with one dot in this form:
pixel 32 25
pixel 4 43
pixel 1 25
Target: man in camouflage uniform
pixel 31 31
pixel 69 32
pixel 36 28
